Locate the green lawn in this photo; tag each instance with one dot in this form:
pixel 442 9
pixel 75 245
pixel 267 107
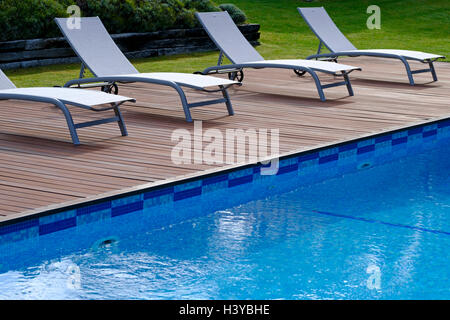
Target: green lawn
pixel 405 24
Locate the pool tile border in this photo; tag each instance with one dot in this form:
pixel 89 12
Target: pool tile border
pixel 345 156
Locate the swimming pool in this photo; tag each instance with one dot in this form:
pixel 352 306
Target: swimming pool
pixel 363 220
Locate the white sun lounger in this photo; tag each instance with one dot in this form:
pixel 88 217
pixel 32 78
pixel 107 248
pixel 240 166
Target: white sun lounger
pixel 99 53
pixel 61 97
pixel 329 35
pixel 232 43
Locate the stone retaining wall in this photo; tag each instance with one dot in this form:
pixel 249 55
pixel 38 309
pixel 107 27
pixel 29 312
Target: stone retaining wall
pixel 39 52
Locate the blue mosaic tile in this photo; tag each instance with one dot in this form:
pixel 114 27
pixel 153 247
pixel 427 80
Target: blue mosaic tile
pixel 308 157
pixel 287 162
pixel 365 143
pixel 429 133
pixel 240 180
pixel 127 208
pixel 347 154
pixel 443 131
pixel 383 145
pixel 187 193
pixel 400 140
pixel 215 179
pixel 430 127
pixel 383 138
pixel 413 138
pixel 444 124
pixel 158 193
pixel 187 186
pixel 347 147
pixel 327 152
pixel 10 228
pixel 94 208
pixel 414 131
pixel 240 173
pixel 215 186
pixel 98 215
pixel 126 200
pixel 57 226
pixel 288 168
pixel 326 159
pixel 158 196
pixel 367 148
pixel 398 135
pixel 57 217
pixel 20 235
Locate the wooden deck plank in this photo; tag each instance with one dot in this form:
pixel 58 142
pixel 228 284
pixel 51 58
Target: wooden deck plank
pixel 39 167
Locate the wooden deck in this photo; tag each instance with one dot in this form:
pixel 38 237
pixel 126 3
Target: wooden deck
pixel 41 169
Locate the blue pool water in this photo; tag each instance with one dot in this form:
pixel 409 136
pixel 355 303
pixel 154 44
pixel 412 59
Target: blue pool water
pixel 381 232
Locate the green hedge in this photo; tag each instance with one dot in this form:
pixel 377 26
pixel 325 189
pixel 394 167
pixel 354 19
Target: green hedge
pixel 28 19
pixel 236 14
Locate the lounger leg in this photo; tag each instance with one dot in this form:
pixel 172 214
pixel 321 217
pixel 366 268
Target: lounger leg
pixel 318 84
pixel 70 124
pixel 433 72
pixel 348 84
pixel 123 128
pixel 408 70
pixel 227 100
pixel 184 103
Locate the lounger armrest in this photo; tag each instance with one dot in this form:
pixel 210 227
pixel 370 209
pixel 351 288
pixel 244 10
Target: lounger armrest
pixel 26 97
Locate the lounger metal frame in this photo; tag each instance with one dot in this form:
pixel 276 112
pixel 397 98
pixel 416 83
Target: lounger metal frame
pixel 235 69
pixel 108 81
pixel 70 123
pixel 332 56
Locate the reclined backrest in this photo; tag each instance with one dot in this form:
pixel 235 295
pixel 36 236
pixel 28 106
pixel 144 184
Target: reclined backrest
pixel 325 29
pixel 95 47
pixel 5 83
pixel 227 37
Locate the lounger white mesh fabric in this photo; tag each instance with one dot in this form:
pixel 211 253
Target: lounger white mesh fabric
pixel 323 66
pixel 329 35
pixel 69 95
pixel 60 97
pixel 231 42
pixel 413 55
pixel 185 79
pixel 98 52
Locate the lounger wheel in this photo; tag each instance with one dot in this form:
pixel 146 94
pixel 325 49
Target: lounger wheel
pixel 237 75
pixel 111 88
pixel 299 72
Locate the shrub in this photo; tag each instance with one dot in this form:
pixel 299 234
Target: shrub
pixel 200 5
pixel 236 14
pixel 27 19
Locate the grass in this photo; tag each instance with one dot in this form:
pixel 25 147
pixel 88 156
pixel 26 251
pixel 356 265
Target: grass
pixel 405 24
